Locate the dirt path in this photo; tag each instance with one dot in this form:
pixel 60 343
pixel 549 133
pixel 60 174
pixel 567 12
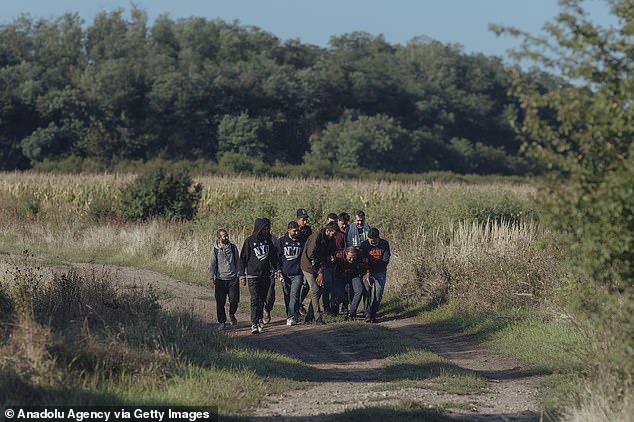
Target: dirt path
pixel 352 379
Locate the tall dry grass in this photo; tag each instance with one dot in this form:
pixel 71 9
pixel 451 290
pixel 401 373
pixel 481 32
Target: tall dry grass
pixel 480 267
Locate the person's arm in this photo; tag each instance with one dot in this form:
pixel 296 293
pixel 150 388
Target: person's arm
pixel 387 254
pixel 242 262
pixel 212 267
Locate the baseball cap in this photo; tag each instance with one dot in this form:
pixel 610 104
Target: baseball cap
pixel 302 213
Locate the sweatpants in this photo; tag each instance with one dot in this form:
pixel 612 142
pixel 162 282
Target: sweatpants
pixel 258 287
pixel 224 288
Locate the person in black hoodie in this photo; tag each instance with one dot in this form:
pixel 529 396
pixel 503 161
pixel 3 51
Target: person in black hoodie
pixel 319 249
pixel 257 258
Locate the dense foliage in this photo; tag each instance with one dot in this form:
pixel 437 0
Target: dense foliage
pixel 161 193
pixel 589 145
pixel 124 89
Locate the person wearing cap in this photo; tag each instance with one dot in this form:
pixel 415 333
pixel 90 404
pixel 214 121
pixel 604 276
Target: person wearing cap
pixel 358 230
pixel 377 253
pixel 302 220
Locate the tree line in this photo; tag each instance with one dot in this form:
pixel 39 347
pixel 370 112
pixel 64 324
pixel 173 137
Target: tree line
pixel 122 89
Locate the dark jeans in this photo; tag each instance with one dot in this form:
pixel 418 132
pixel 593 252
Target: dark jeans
pixel 379 285
pixel 223 289
pixel 329 288
pixel 361 289
pixel 258 287
pixel 315 294
pixel 343 295
pixel 291 286
pixel 270 295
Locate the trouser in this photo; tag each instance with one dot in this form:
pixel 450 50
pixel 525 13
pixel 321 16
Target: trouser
pixel 380 278
pixel 270 295
pixel 328 298
pixel 258 287
pixel 363 290
pixel 291 286
pixel 223 289
pixel 315 294
pixel 343 295
pixel 304 291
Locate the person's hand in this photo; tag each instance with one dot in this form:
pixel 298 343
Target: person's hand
pixel 212 282
pixel 243 280
pixel 320 279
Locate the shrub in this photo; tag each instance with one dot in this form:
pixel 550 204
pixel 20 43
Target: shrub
pixel 162 193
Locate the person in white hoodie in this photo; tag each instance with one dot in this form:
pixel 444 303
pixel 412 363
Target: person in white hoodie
pixel 223 275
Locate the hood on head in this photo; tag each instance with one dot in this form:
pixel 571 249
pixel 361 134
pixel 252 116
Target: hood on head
pixel 260 223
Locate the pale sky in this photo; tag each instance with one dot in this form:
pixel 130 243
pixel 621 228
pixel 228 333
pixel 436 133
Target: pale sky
pixel 449 21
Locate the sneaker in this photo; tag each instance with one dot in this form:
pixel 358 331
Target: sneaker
pixel 221 326
pixel 302 311
pixel 368 318
pixel 233 319
pixel 254 329
pixel 373 320
pixel 260 328
pixel 267 317
pixel 291 321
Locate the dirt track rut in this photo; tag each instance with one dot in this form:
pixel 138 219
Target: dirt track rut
pixel 351 379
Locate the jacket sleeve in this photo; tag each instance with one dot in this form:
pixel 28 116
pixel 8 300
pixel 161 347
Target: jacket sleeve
pixel 274 254
pixel 212 263
pixel 242 262
pixel 387 254
pixel 311 251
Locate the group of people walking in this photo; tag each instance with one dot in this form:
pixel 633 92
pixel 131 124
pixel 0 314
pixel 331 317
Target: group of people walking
pixel 336 268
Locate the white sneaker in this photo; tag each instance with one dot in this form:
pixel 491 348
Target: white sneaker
pixel 267 317
pixel 260 328
pixel 254 329
pixel 290 321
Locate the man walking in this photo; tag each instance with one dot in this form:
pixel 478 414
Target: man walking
pixel 319 249
pixel 223 275
pixel 377 253
pixel 358 231
pixel 257 258
pixel 290 251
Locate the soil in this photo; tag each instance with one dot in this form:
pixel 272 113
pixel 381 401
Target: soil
pixel 352 379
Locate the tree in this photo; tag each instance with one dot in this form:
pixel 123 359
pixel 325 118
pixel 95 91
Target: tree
pixel 372 142
pixel 243 135
pixel 584 131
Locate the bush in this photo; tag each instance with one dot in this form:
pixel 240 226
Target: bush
pixel 162 193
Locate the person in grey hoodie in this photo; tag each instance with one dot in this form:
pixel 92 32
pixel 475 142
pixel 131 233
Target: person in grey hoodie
pixel 223 275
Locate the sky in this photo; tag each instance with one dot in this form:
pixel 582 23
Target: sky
pixel 464 22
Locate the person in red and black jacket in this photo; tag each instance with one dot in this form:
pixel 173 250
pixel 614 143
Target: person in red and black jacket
pixel 377 253
pixel 339 296
pixel 353 279
pixel 319 248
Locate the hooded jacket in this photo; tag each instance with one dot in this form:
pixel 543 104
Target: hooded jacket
pixel 258 255
pixel 223 263
pixel 317 252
